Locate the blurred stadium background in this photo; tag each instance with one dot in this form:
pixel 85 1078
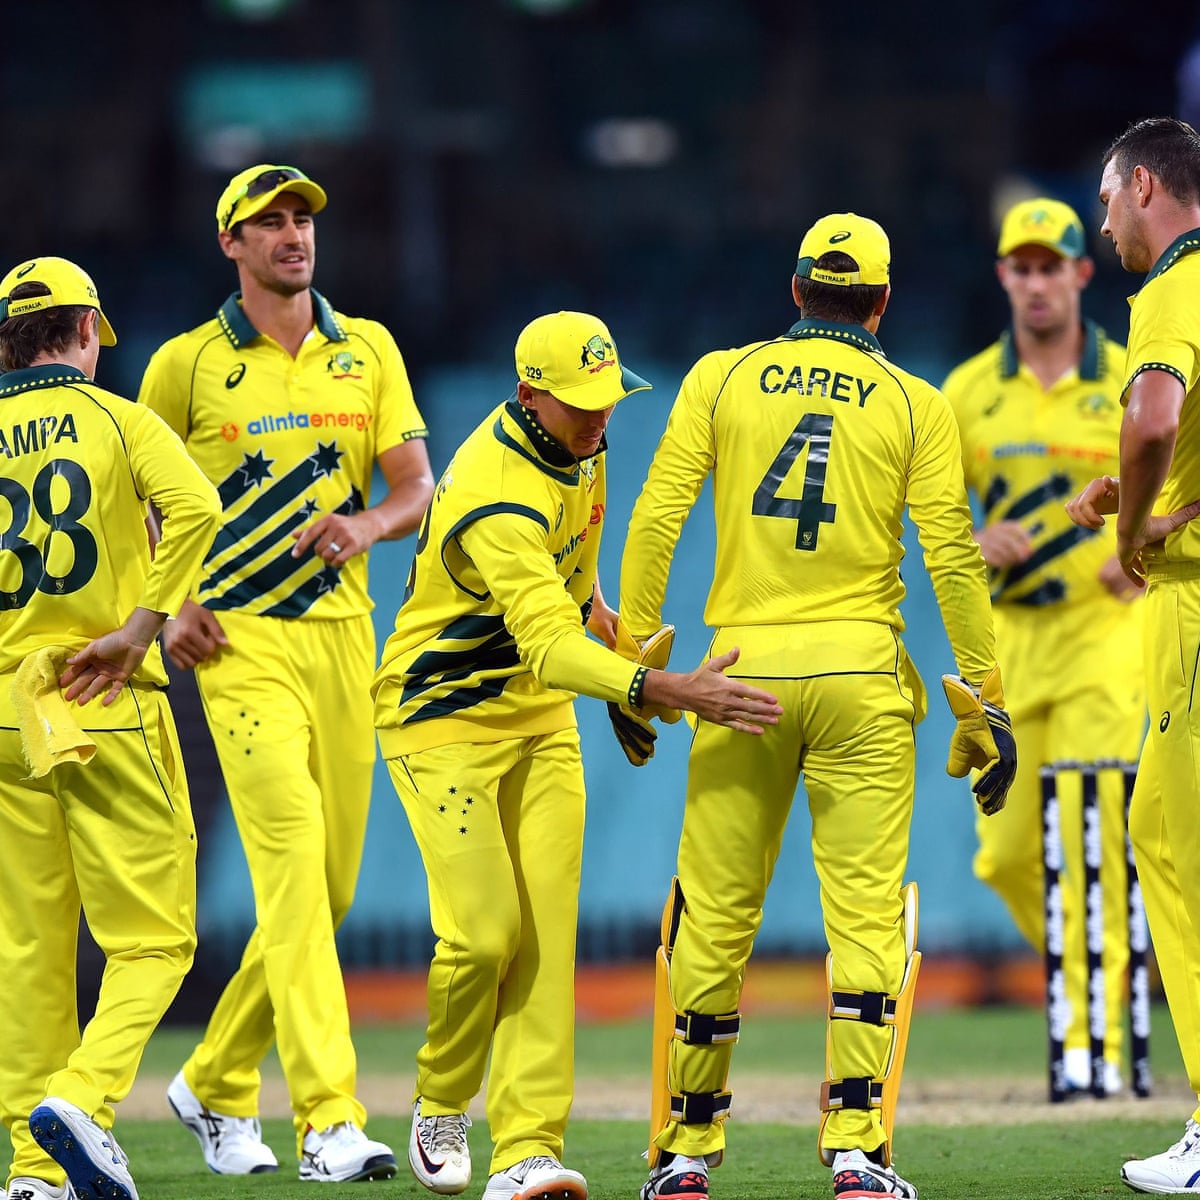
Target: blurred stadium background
pixel 654 161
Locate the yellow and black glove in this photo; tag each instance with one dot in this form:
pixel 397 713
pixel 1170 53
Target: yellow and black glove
pixel 982 739
pixel 635 734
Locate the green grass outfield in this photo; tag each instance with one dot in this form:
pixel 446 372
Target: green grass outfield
pixel 973 1118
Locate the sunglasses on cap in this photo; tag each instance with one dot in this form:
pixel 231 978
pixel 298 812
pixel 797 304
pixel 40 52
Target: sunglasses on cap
pixel 259 186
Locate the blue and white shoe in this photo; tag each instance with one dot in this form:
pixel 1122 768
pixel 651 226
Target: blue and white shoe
pixel 96 1166
pixel 856 1177
pixel 25 1187
pixel 1174 1172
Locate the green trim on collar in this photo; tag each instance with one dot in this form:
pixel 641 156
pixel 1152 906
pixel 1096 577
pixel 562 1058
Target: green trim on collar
pixel 568 476
pixel 326 318
pixel 1091 363
pixel 238 328
pixel 28 379
pixel 1185 243
pixel 546 447
pixel 1009 363
pixel 810 327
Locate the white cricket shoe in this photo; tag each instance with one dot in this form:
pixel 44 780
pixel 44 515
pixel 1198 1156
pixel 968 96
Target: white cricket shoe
pixel 343 1152
pixel 25 1187
pixel 231 1145
pixel 1077 1072
pixel 855 1176
pixel 96 1166
pixel 438 1152
pixel 677 1177
pixel 538 1178
pixel 1174 1172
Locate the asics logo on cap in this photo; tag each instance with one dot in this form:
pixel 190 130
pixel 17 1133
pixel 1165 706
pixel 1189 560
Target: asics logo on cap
pixel 839 237
pixel 26 269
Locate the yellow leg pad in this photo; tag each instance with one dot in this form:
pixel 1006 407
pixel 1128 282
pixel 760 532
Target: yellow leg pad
pixel 895 1067
pixel 664 1031
pixel 875 1008
pixel 693 1028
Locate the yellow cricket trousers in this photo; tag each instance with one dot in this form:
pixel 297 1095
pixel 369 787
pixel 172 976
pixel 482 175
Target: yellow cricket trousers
pixel 116 838
pixel 1162 819
pixel 1073 685
pixel 500 830
pixel 849 733
pixel 289 708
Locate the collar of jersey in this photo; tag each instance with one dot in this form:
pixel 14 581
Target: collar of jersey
pixel 46 375
pixel 238 329
pixel 1185 243
pixel 1091 364
pixel 856 335
pixel 546 453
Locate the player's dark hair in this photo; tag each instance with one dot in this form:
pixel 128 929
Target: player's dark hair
pixel 1168 148
pixel 847 304
pixel 47 331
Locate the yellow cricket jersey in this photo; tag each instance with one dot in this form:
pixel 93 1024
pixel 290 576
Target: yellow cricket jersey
pixel 816 442
pixel 1027 450
pixel 285 441
pixel 79 467
pixel 1164 335
pixel 490 642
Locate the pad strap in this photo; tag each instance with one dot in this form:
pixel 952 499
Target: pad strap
pixel 859 1091
pixel 705 1029
pixel 700 1108
pixel 875 1008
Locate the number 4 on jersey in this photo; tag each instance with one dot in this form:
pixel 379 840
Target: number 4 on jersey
pixel 811 510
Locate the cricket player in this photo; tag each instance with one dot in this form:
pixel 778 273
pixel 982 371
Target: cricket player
pixel 816 443
pixel 1150 189
pixel 473 702
pixel 94 811
pixel 287 405
pixel 1039 414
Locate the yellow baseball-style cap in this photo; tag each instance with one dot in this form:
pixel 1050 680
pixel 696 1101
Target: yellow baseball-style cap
pixel 1043 222
pixel 251 190
pixel 572 355
pixel 68 284
pixel 859 237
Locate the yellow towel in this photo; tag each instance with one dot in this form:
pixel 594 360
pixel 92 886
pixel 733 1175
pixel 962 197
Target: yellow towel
pixel 50 735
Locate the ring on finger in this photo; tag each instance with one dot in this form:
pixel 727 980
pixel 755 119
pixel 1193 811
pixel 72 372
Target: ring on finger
pixel 335 547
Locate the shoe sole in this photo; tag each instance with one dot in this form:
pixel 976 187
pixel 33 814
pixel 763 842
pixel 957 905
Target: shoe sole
pixel 1147 1190
pixel 90 1181
pixel 554 1189
pixel 382 1166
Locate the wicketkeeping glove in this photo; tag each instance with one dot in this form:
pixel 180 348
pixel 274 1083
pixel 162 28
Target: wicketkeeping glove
pixel 654 652
pixel 983 738
pixel 635 734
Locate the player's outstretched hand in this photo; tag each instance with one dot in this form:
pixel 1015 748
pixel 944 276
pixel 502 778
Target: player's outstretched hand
pixel 714 696
pixel 106 664
pixel 1098 500
pixel 193 636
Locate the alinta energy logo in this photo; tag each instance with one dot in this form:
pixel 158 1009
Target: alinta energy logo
pixel 343 365
pixel 229 431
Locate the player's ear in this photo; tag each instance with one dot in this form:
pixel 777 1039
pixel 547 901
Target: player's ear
pixel 796 290
pixel 1085 268
pixel 883 300
pixel 88 328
